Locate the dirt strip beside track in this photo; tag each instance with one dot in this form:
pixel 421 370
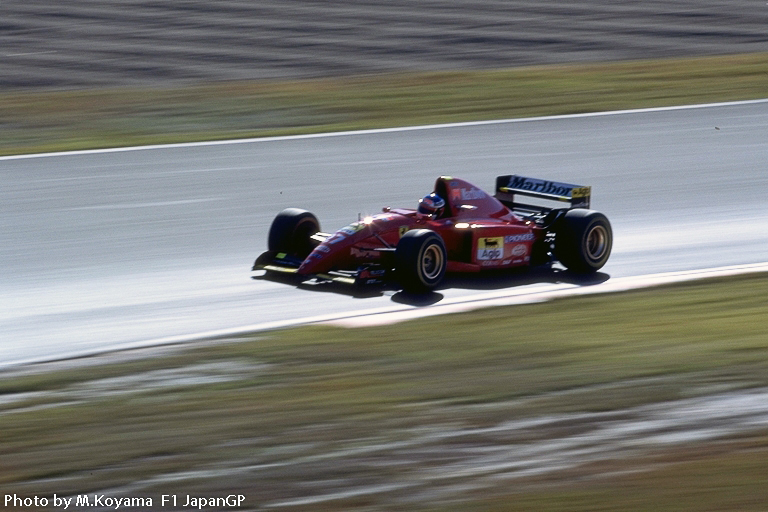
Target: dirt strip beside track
pixel 87 43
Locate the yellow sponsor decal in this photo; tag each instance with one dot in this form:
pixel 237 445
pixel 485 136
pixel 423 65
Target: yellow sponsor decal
pixel 403 230
pixel 580 192
pixel 490 243
pixel 490 248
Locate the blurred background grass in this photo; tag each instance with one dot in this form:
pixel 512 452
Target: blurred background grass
pixel 322 410
pixel 37 121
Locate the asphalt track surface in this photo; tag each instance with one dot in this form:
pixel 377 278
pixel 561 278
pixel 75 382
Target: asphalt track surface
pixel 93 43
pixel 108 249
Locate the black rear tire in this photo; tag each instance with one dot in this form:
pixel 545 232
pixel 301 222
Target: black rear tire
pixel 420 260
pixel 291 231
pixel 583 240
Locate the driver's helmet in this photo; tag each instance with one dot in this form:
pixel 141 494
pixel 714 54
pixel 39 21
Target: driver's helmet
pixel 431 204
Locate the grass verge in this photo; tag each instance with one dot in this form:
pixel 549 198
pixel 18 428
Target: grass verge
pixel 417 415
pixel 69 120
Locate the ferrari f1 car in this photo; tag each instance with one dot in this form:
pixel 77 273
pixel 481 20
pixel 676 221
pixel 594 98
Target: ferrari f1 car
pixel 456 228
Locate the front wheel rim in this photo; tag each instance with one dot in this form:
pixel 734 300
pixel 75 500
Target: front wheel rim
pixel 432 262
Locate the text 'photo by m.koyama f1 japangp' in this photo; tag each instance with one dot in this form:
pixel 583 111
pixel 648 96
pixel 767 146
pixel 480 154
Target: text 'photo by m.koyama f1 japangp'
pixel 457 228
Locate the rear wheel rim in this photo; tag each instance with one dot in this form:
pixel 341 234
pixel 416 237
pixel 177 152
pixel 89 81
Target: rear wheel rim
pixel 597 242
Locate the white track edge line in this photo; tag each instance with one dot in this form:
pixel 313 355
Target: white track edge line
pixel 380 130
pixel 613 285
pixel 399 313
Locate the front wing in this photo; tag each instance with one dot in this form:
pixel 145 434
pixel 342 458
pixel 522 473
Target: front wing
pixel 287 265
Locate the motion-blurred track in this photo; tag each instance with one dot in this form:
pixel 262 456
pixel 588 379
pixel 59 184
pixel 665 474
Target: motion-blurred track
pixel 109 249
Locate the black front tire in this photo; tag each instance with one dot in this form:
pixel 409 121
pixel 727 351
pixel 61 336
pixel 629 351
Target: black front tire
pixel 420 260
pixel 291 231
pixel 583 240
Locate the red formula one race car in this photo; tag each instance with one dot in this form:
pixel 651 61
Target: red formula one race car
pixel 456 228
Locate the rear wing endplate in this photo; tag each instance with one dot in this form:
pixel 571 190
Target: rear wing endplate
pixel 507 187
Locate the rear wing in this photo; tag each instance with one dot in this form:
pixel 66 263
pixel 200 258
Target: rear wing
pixel 507 187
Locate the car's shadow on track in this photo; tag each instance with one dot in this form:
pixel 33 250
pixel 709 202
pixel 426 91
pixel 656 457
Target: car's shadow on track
pixel 500 280
pixel 488 281
pixel 496 280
